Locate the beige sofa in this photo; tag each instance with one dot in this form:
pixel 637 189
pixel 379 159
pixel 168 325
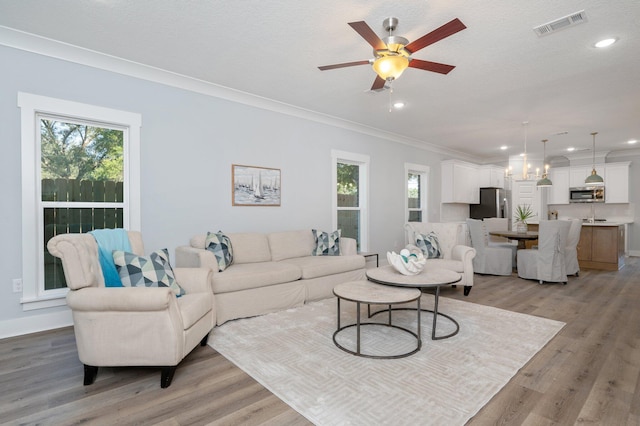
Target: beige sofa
pixel 272 272
pixel 454 243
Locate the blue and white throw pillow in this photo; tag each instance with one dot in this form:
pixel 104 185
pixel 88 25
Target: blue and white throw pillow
pixel 220 245
pixel 146 271
pixel 429 245
pixel 327 244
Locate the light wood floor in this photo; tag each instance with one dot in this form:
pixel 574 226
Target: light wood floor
pixel 589 373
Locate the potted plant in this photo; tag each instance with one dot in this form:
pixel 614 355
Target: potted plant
pixel 522 214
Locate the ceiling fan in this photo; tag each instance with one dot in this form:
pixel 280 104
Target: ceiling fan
pixel 392 54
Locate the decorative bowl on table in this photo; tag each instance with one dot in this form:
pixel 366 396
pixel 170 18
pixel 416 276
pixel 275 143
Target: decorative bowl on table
pixel 407 263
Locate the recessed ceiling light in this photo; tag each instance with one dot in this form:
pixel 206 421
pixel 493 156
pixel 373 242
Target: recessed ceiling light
pixel 398 105
pixel 504 147
pixel 632 141
pixel 606 42
pixel 571 149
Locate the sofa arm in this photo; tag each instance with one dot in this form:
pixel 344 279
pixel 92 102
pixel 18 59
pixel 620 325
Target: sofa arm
pixel 129 299
pixel 194 280
pixel 348 246
pixel 191 257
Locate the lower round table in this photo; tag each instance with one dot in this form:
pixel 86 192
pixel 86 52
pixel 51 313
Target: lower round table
pixel 375 294
pixel 428 278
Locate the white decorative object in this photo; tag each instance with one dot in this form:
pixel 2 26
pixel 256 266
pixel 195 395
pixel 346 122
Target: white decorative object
pixel 407 263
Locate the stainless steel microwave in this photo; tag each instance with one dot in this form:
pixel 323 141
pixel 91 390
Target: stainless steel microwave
pixel 586 194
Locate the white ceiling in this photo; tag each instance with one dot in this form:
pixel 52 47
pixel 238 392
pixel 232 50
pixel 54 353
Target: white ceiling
pixel 505 74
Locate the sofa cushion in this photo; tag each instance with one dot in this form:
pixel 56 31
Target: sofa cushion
pixel 220 245
pixel 285 245
pixel 250 247
pixel 242 276
pixel 453 265
pixel 321 266
pixel 146 271
pixel 326 244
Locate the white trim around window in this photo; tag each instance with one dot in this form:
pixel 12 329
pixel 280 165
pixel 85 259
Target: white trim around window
pixel 33 295
pixel 423 171
pixel 363 162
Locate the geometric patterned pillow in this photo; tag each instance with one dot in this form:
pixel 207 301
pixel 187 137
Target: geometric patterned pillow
pixel 146 271
pixel 429 245
pixel 220 245
pixel 326 244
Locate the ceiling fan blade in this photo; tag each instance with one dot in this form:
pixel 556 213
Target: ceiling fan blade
pixel 438 34
pixel 367 33
pixel 378 83
pixel 346 64
pixel 431 66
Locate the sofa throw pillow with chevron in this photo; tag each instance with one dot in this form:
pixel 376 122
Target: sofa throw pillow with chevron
pixel 220 245
pixel 429 245
pixel 327 244
pixel 146 271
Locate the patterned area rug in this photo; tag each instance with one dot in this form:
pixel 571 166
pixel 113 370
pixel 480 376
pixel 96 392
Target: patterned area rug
pixel 448 381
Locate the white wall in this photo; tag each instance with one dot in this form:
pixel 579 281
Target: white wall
pixel 189 142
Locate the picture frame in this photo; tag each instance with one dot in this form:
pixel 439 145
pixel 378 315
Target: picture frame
pixel 255 186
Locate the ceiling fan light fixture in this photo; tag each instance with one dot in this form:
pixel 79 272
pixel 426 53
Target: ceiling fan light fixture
pixel 390 66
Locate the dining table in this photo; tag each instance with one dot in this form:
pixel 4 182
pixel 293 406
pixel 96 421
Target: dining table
pixel 521 237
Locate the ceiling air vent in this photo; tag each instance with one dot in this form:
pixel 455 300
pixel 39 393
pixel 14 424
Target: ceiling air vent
pixel 561 23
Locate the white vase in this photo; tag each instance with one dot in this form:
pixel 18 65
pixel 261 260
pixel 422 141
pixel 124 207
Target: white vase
pixel 521 227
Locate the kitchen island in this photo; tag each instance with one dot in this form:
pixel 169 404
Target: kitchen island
pixel 602 246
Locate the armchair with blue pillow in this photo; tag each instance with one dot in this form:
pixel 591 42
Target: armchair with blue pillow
pixel 155 317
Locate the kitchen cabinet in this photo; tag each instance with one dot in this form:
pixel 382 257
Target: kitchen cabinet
pixel 577 174
pixel 601 247
pixel 558 193
pixel 526 192
pixel 616 182
pixel 459 182
pixel 491 176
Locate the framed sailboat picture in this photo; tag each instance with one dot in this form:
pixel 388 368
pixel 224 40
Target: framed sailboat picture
pixel 255 186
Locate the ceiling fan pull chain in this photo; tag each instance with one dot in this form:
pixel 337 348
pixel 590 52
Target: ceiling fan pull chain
pixel 390 100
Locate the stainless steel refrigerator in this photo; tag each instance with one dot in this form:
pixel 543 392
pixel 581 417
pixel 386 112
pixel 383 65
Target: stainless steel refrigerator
pixel 494 202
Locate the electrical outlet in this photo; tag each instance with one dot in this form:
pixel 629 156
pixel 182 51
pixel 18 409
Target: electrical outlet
pixel 17 285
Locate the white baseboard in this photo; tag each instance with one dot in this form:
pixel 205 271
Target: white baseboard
pixel 35 323
pixel 635 253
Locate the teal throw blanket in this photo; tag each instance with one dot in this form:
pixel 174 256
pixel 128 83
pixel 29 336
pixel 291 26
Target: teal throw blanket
pixel 109 240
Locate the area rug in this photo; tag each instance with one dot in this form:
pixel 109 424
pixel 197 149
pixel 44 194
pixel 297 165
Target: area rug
pixel 448 381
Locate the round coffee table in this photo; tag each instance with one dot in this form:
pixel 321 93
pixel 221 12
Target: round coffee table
pixel 370 293
pixel 428 278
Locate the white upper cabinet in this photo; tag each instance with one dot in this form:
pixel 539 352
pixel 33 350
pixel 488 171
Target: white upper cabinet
pixel 491 176
pixel 577 174
pixel 616 182
pixel 558 193
pixel 459 182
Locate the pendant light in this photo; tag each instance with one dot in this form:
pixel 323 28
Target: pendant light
pixel 545 181
pixel 594 178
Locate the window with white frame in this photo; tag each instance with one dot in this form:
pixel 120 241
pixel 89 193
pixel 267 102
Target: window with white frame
pixel 80 172
pixel 350 196
pixel 416 192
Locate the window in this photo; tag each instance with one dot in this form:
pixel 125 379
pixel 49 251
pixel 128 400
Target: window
pixel 416 192
pixel 80 168
pixel 350 196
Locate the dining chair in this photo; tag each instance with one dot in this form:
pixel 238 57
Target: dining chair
pixel 489 260
pixel 571 251
pixel 547 262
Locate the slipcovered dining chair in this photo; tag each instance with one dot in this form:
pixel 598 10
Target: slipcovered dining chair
pixel 547 262
pixel 571 251
pixel 131 326
pixel 489 260
pixel 501 224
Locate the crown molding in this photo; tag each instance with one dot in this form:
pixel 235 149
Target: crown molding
pixel 55 49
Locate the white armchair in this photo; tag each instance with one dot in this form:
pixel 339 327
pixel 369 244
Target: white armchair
pixel 547 262
pixel 457 255
pixel 131 326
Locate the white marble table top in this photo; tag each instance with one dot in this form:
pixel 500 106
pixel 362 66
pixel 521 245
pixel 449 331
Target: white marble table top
pixel 427 278
pixel 368 292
